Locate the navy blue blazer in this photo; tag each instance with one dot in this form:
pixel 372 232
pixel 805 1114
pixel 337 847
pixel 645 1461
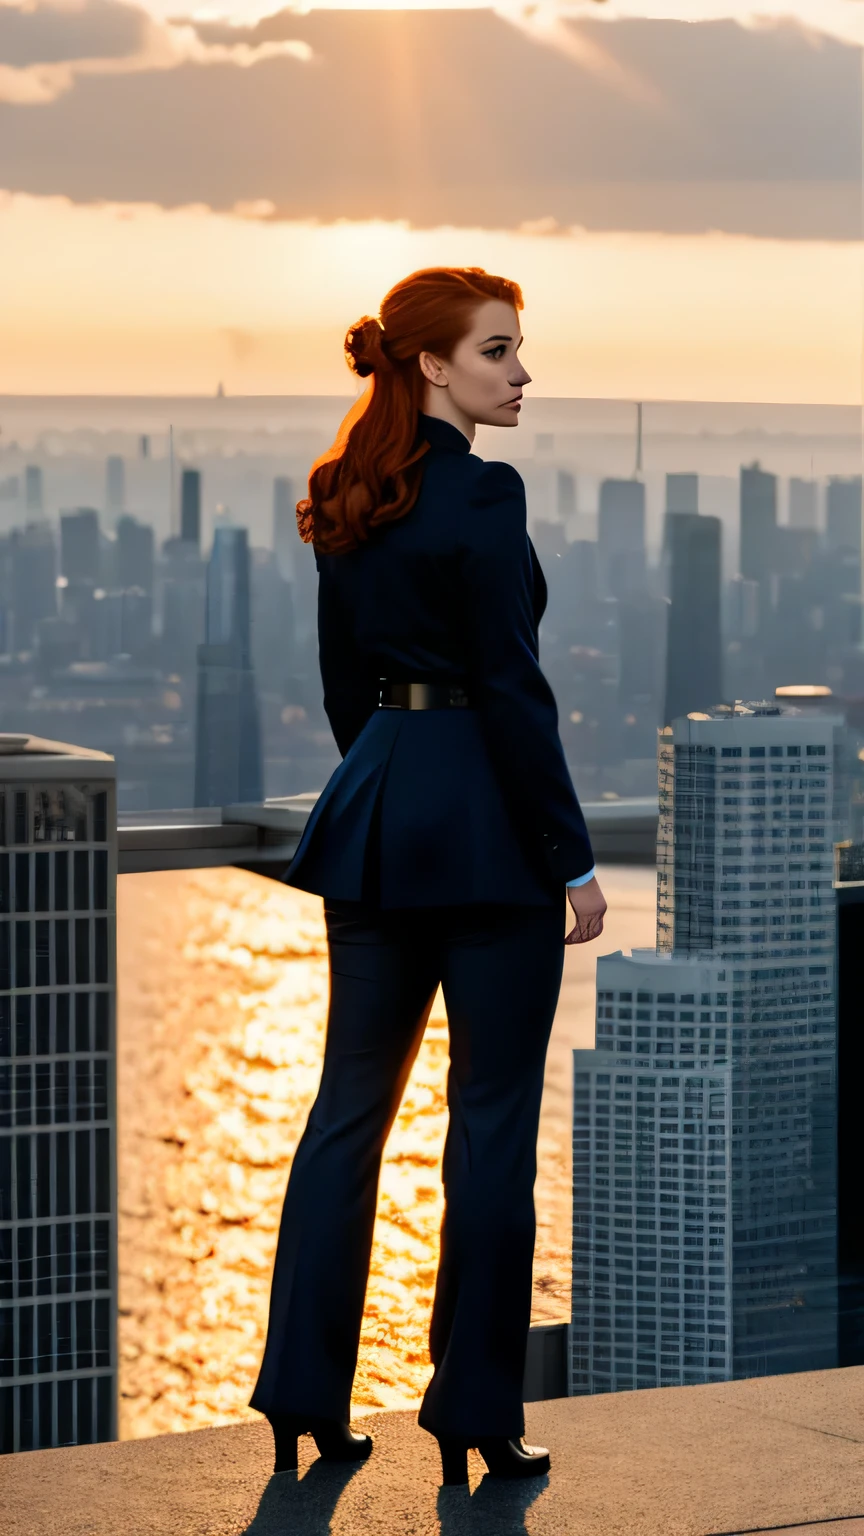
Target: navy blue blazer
pixel 467 805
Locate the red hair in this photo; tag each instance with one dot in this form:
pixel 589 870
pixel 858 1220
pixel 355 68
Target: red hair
pixel 373 471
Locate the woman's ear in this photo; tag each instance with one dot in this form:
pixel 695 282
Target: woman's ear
pixel 431 369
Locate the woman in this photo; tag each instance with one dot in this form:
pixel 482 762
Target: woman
pixel 442 845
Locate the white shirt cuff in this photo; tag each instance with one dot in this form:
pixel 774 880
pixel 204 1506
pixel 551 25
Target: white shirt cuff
pixel 583 879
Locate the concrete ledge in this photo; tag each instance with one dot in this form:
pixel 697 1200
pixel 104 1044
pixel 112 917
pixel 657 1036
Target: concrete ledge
pixel 264 837
pixel 737 1457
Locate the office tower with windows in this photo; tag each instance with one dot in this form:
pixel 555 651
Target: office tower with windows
pixel 228 732
pixel 705 1177
pixel 850 1062
pixel 621 536
pixel 693 647
pixel 58 1188
pixel 758 492
pixel 190 507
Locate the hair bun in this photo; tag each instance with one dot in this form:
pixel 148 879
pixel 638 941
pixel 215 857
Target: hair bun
pixel 364 347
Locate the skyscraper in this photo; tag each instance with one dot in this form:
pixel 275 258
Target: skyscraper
pixel 33 497
pixel 115 486
pixel 693 647
pixel 803 507
pixel 843 513
pixel 621 536
pixel 758 491
pixel 565 494
pixel 228 733
pixel 58 1191
pixel 190 507
pixel 682 493
pixel 80 555
pixel 843 530
pixel 134 554
pixel 704 1161
pixel 33 569
pixel 285 534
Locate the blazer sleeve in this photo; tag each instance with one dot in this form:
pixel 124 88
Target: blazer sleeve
pixel 516 706
pixel 351 686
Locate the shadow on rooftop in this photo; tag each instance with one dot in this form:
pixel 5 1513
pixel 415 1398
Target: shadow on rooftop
pixel 308 1503
pixel 294 1503
pixel 495 1508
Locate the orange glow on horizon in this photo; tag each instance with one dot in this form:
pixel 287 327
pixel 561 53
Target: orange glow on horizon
pixel 116 299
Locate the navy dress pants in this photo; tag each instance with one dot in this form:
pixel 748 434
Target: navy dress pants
pixel 500 970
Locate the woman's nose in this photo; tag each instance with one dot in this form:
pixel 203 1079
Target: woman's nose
pixel 522 376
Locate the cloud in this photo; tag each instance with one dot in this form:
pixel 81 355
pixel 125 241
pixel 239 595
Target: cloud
pixel 70 29
pixel 46 49
pixel 450 118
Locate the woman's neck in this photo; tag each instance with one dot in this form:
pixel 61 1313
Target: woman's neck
pixel 439 403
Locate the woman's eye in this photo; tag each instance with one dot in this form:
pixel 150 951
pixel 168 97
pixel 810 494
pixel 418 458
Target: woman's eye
pixel 495 352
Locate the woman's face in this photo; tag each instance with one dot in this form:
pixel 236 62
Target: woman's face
pixel 484 378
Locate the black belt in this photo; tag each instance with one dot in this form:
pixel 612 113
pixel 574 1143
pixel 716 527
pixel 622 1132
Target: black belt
pixel 422 695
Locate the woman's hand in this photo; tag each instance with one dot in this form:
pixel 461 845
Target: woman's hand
pixel 589 905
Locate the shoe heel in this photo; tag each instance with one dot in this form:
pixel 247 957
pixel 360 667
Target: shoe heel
pixel 285 1442
pixel 454 1463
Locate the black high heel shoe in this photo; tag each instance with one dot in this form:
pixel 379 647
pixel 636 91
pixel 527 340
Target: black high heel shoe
pixel 335 1440
pixel 503 1458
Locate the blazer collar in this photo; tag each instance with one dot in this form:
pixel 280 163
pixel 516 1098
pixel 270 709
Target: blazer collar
pixel 441 435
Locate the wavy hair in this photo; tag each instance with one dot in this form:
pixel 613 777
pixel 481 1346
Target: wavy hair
pixel 372 473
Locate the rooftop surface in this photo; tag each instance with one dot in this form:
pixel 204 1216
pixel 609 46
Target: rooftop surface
pixel 783 1453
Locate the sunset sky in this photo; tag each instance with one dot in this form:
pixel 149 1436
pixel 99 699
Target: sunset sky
pixel 675 183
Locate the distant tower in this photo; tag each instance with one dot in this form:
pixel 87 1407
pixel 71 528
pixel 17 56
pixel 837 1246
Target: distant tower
pixel 803 512
pixel 58 1185
pixel 79 545
pixel 758 522
pixel 172 483
pixel 565 494
pixel 190 507
pixel 134 554
pixel 285 534
pixel 33 492
pixel 682 493
pixel 843 513
pixel 621 536
pixel 115 486
pixel 33 572
pixel 228 734
pixel 693 647
pixel 843 528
